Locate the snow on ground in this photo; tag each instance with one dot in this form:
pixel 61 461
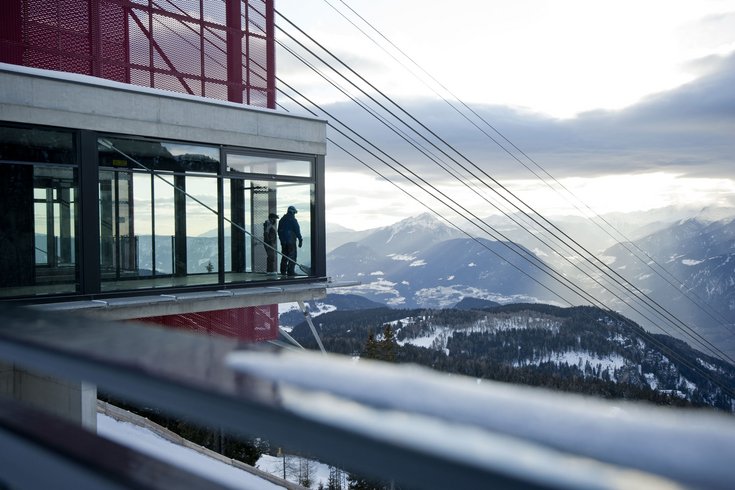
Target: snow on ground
pixel 319 472
pixel 402 257
pixel 286 307
pixel 322 308
pixel 708 365
pixel 147 442
pixel 428 340
pixel 436 336
pixel 580 358
pixel 380 286
pixel 691 262
pixel 446 296
pixel 319 308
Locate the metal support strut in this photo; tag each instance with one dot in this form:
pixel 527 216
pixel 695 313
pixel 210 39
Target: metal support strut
pixel 307 316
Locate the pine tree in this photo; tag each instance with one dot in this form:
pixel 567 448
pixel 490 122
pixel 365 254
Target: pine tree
pixel 371 347
pixel 388 344
pixel 335 479
pixel 356 482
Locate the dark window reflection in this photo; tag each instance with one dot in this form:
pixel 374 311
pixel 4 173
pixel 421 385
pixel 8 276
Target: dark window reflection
pixel 36 145
pixel 159 155
pixel 38 229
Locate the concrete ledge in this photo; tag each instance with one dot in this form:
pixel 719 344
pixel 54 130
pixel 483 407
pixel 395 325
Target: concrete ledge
pixel 121 415
pixel 180 303
pixel 35 96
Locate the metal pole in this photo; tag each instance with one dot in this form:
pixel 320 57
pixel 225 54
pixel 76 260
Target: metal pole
pixel 311 326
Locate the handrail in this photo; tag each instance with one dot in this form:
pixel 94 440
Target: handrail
pixel 382 421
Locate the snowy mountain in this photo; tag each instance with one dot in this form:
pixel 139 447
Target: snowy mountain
pixel 338 235
pixel 410 235
pixel 690 268
pixel 437 276
pixel 421 262
pixel 581 349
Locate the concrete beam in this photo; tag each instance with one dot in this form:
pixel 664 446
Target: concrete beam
pixel 52 98
pixel 181 303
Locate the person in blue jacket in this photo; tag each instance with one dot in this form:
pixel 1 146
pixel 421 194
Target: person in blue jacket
pixel 288 232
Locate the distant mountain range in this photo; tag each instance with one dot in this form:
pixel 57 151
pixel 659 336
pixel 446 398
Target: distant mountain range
pixel 689 267
pixel 422 262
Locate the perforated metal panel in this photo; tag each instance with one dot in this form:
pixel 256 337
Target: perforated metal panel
pixel 222 49
pixel 249 324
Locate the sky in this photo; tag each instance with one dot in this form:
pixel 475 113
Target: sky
pixel 606 98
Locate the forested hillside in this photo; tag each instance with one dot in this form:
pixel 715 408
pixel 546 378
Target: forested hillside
pixel 580 349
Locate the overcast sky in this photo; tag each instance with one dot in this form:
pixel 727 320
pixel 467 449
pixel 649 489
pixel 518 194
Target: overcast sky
pixel 633 98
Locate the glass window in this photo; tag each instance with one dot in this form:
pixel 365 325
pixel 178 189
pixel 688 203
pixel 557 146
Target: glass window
pixel 202 253
pixel 36 145
pixel 162 214
pixel 159 221
pixel 158 156
pixel 38 211
pixel 157 230
pixel 250 164
pixel 38 229
pixel 252 251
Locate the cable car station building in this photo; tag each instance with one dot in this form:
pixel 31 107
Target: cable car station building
pixel 140 155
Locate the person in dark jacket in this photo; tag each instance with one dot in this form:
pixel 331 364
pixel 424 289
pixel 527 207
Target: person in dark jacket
pixel 269 242
pixel 288 232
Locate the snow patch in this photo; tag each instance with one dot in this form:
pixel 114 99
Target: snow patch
pixel 445 296
pixel 150 443
pixel 651 380
pixel 580 359
pixel 691 262
pixel 708 365
pixel 402 257
pixel 379 286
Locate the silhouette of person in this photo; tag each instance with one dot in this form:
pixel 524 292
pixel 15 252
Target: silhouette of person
pixel 288 232
pixel 270 235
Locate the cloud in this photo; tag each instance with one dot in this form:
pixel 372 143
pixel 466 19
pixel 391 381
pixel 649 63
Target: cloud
pixel 688 130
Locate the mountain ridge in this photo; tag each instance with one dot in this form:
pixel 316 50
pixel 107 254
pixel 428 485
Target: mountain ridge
pixel 580 349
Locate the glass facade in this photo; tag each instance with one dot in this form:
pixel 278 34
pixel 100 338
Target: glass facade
pixel 166 214
pixel 39 197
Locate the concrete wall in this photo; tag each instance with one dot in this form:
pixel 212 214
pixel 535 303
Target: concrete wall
pixel 45 97
pixel 73 401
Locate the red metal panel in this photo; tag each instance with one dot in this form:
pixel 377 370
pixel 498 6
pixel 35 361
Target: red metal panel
pixel 251 324
pixel 222 49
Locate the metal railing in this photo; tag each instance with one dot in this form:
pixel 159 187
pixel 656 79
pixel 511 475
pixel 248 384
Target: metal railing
pixel 409 425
